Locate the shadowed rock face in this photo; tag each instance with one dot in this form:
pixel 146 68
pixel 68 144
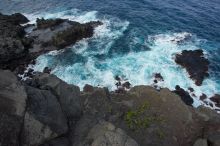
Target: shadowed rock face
pixel 195 63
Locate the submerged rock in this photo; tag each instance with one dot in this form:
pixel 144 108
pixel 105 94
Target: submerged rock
pixel 195 63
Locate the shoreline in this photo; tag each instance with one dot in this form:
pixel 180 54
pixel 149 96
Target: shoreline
pixel 44 110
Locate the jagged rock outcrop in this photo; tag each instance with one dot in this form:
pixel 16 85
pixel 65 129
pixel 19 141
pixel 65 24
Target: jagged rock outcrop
pixel 195 63
pixel 18 50
pixel 54 34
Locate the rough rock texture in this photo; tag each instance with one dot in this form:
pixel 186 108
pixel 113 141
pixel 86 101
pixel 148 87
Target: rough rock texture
pixel 195 63
pixel 68 95
pixel 44 118
pixel 13 43
pixel 106 134
pixel 201 142
pixel 54 34
pixel 12 107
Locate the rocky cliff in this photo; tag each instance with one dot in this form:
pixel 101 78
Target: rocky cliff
pixel 49 112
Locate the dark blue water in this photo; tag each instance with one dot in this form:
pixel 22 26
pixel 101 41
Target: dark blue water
pixel 125 46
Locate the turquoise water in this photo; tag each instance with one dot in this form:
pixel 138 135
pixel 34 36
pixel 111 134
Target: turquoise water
pixel 135 41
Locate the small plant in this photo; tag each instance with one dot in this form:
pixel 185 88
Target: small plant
pixel 136 119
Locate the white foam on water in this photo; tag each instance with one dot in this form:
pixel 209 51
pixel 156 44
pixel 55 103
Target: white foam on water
pixel 73 14
pixel 138 67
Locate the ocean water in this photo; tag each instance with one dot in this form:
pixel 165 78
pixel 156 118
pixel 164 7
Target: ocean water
pixel 138 39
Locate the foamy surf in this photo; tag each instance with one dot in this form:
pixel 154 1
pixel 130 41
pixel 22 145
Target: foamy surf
pixel 81 66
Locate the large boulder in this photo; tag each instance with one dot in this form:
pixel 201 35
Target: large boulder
pixel 44 119
pixel 68 95
pixel 195 63
pixel 12 107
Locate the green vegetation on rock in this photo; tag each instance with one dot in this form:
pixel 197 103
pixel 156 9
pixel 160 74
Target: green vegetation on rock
pixel 138 118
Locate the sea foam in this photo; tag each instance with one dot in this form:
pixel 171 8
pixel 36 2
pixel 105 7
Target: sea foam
pixel 80 65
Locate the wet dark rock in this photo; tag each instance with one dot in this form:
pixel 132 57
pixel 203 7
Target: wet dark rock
pixel 158 77
pixel 191 89
pixel 126 85
pixel 47 70
pixel 216 99
pixel 122 85
pixel 117 78
pixel 88 88
pixel 195 63
pixel 184 95
pixel 203 96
